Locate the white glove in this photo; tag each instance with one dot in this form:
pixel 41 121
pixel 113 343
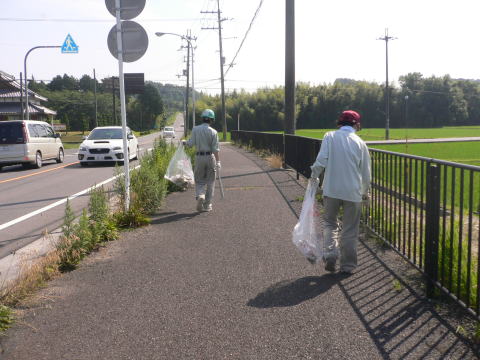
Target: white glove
pixel 218 165
pixel 316 171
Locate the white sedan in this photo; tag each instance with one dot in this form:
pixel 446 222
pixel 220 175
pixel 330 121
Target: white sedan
pixel 105 144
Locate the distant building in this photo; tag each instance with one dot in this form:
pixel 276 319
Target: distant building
pixel 11 101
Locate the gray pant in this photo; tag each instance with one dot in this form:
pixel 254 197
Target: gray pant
pixel 347 240
pixel 204 175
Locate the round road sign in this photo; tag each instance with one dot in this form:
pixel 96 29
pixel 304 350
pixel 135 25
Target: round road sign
pixel 134 44
pixel 128 8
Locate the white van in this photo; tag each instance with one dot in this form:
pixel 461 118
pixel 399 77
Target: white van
pixel 29 142
pixel 168 131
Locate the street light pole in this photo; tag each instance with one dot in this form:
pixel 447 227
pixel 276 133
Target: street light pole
pixel 387 90
pixel 188 40
pixel 25 73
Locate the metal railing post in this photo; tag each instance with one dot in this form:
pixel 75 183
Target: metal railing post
pixel 432 223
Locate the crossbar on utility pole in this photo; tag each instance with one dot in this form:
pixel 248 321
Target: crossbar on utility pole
pixel 387 89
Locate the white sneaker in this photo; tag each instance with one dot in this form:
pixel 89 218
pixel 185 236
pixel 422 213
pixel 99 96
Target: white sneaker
pixel 200 201
pixel 207 207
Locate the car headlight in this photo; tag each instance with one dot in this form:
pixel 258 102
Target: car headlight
pixel 117 148
pixel 83 148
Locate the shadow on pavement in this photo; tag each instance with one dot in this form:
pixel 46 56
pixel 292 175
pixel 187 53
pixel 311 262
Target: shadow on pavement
pixel 293 292
pixel 168 217
pixel 253 173
pixel 400 322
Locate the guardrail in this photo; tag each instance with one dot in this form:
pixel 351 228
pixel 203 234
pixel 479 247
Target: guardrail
pixel 427 210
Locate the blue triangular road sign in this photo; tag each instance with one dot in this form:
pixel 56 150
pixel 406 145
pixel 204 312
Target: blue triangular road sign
pixel 69 46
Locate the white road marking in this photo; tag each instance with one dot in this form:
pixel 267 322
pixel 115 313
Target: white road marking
pixel 57 203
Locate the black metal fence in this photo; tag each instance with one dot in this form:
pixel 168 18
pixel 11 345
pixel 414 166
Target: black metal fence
pixel 427 210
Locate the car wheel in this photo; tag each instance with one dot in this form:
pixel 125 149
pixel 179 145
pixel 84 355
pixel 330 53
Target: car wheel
pixel 1 167
pixel 38 160
pixel 60 156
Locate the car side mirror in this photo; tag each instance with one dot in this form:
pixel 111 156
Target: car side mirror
pixel 84 137
pixel 129 136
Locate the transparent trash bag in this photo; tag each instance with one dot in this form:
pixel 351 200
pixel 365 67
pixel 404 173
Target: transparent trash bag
pixel 179 169
pixel 307 234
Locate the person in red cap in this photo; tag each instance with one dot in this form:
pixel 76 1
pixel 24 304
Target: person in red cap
pixel 345 161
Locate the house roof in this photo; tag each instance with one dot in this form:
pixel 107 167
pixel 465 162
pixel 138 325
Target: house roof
pixel 16 109
pixel 8 84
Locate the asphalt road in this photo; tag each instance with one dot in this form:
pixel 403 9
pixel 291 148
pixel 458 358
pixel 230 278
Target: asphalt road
pixel 228 284
pixel 25 191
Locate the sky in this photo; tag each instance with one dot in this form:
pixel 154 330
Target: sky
pixel 334 39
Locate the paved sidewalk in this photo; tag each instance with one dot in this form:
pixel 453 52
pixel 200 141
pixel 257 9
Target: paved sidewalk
pixel 228 285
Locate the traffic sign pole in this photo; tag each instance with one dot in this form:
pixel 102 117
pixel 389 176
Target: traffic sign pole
pixel 122 106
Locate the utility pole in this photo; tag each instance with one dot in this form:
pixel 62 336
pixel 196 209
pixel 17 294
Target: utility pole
pixel 290 67
pixel 185 125
pixel 21 96
pixel 189 41
pixel 222 80
pixel 95 95
pixel 113 98
pixel 188 87
pixel 387 89
pixel 223 117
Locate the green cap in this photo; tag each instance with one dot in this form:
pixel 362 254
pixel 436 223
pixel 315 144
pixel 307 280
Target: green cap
pixel 207 113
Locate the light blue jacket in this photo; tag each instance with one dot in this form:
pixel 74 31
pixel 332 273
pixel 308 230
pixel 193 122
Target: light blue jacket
pixel 346 161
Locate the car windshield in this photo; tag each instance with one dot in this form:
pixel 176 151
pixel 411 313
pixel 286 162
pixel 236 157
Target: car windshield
pixel 168 129
pixel 11 133
pixel 100 134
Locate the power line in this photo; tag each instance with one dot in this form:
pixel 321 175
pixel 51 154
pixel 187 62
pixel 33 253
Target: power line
pixel 245 36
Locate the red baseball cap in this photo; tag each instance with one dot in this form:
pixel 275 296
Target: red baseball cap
pixel 349 116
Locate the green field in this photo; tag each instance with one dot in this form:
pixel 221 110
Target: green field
pixel 467 152
pixel 398 134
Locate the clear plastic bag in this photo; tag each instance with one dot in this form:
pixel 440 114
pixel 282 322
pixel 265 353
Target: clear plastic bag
pixel 307 234
pixel 179 169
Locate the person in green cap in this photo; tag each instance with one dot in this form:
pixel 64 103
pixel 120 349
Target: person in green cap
pixel 207 160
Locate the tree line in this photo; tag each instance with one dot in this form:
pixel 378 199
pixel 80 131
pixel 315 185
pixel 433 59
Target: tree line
pixel 74 101
pixel 418 102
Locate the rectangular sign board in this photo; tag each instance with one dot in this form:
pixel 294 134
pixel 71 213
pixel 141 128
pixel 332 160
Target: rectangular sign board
pixel 134 83
pixel 59 127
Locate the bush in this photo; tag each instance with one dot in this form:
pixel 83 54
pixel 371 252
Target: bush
pixel 149 190
pixel 80 239
pixel 131 218
pixel 148 186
